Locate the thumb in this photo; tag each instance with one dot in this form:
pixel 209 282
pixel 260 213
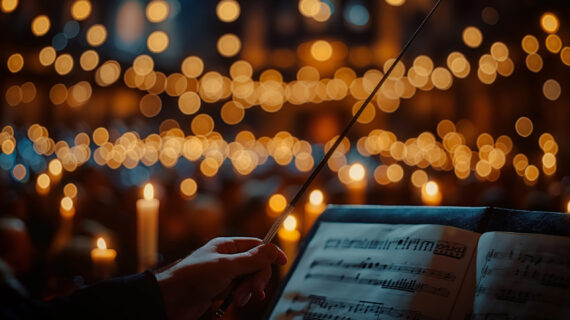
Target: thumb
pixel 255 259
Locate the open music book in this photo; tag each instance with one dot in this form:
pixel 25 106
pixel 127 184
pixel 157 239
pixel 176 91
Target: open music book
pixel 391 271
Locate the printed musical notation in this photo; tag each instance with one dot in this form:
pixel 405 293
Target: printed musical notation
pixel 528 258
pixel 528 272
pixel 402 284
pixel 320 307
pixel 376 265
pixel 438 247
pixel 522 296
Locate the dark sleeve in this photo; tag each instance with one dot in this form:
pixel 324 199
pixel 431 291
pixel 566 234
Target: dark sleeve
pixel 130 297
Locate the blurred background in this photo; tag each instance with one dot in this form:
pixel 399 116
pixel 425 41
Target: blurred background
pixel 224 107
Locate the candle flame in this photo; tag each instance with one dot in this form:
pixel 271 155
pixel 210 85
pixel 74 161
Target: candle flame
pixel 66 203
pixel 290 223
pixel 431 188
pixel 101 244
pixel 277 202
pixel 316 197
pixel 568 206
pixel 148 191
pixel 357 172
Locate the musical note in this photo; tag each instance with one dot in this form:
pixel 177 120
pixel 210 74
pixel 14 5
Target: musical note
pixel 370 264
pixel 403 284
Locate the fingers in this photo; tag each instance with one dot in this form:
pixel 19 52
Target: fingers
pixel 252 286
pixel 235 245
pixel 256 259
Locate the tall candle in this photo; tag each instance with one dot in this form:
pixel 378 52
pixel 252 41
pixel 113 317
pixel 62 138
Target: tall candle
pixel 66 208
pixel 357 186
pixel 313 209
pixel 147 229
pixel 43 184
pixel 65 229
pixel 289 241
pixel 103 259
pixel 431 195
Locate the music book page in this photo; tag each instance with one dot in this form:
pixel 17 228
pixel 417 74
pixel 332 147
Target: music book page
pixel 378 271
pixel 522 276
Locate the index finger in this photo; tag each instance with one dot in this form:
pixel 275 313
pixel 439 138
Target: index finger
pixel 237 244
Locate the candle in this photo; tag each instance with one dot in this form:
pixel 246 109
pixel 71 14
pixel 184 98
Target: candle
pixel 42 184
pixel 66 208
pixel 357 185
pixel 430 194
pixel 147 229
pixel 313 209
pixel 55 169
pixel 103 259
pixel 568 206
pixel 289 241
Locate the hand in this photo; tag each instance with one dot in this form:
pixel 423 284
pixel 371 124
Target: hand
pixel 191 285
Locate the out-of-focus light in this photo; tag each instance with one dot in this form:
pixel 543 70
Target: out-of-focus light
pixel 202 124
pixel 143 65
pixel 549 22
pixel 47 56
pixel 80 10
pixel 96 35
pixel 534 62
pixel 59 41
pixel 228 10
pixel 15 62
pixel 357 15
pixel 277 203
pixel 150 105
pixel 70 190
pixel 431 188
pixel 40 25
pixel 229 45
pixel 316 197
pixel 490 16
pixel 89 60
pixel 71 29
pixel 553 43
pixel 357 172
pixel 64 64
pixel 188 187
pixel 157 11
pixel 568 206
pixel 189 102
pixel 9 5
pixel 524 126
pixel 100 136
pixel 157 41
pixel 290 223
pixel 419 178
pixel 321 50
pixel 551 89
pixel 530 44
pixel 19 172
pixel 395 3
pixel 472 37
pixel 499 51
pixel 192 67
pixel 565 55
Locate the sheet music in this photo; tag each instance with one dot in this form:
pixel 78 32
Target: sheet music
pixel 522 276
pixel 378 271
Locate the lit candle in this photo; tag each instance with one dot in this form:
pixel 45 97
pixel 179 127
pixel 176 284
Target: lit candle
pixel 357 186
pixel 42 184
pixel 66 208
pixel 568 206
pixel 430 194
pixel 55 169
pixel 147 229
pixel 313 209
pixel 103 259
pixel 289 241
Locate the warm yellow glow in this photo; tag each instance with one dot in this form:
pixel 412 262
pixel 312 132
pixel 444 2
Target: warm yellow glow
pixel 419 178
pixel 14 95
pixel 472 37
pixel 316 197
pixel 15 62
pixel 309 8
pixel 277 202
pixel 524 126
pixel 150 105
pixel 499 51
pixel 64 64
pixel 148 191
pixel 232 112
pixel 143 65
pixel 80 10
pixel 228 10
pixel 189 102
pixel 534 62
pixel 66 203
pixel 89 60
pixel 9 5
pixel 229 45
pixel 192 67
pixel 202 124
pixel 290 223
pixel 70 190
pixel 96 35
pixel 47 56
pixel 549 22
pixel 101 244
pixel 395 3
pixel 565 56
pixel 55 167
pixel 357 172
pixel 530 44
pixel 8 146
pixel 431 188
pixel 157 41
pixel 40 25
pixel 551 89
pixel 553 43
pixel 157 11
pixel 188 187
pixel 568 206
pixel 321 50
pixel 43 181
pixel 531 173
pixel 100 136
